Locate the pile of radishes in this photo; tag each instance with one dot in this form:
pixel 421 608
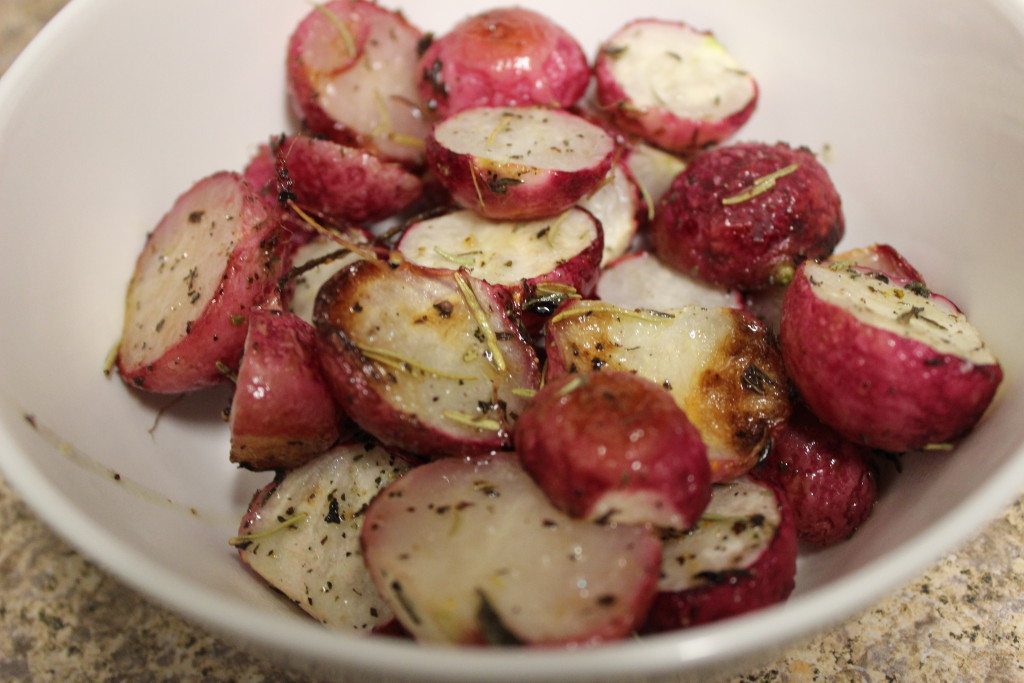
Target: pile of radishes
pixel 508 415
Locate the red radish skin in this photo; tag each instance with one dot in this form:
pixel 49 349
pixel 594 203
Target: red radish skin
pixel 874 386
pixel 283 413
pixel 624 91
pixel 470 157
pixel 829 482
pixel 416 385
pixel 179 327
pixel 469 551
pixel 767 581
pixel 507 56
pixel 335 95
pixel 342 185
pixel 614 447
pixel 718 223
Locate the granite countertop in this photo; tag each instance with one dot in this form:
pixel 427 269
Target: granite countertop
pixel 63 618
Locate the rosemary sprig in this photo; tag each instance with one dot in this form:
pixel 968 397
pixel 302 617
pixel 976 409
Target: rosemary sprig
pixel 245 539
pixel 760 186
pixel 491 339
pixel 398 362
pixel 362 251
pixel 340 27
pixel 586 308
pixel 484 423
pixel 465 259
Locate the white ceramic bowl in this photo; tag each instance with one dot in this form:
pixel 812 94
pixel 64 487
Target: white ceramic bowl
pixel 120 105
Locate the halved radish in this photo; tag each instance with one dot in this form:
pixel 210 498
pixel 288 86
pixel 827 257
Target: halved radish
pixel 426 360
pixel 315 263
pixel 470 551
pixel 352 78
pixel 884 365
pixel 342 185
pixel 653 172
pixel 882 258
pixel 720 365
pixel 301 535
pixel 282 413
pixel 503 57
pixel 673 85
pixel 216 254
pixel 740 557
pixel 612 447
pixel 518 163
pixel 616 204
pixel 640 280
pixel 562 249
pixel 745 215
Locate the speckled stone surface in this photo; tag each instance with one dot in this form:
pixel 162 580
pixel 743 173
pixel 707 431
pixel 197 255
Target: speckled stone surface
pixel 62 618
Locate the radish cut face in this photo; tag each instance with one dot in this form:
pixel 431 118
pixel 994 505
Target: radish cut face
pixel 319 259
pixel 426 360
pixel 723 370
pixel 502 253
pixel 642 281
pixel 471 551
pixel 616 205
pixel 301 535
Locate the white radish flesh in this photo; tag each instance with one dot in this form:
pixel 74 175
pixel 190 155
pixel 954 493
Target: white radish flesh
pixel 642 281
pixel 616 204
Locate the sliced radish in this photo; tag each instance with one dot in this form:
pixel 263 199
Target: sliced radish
pixel 315 263
pixel 882 258
pixel 352 78
pixel 613 447
pixel 653 171
pixel 640 280
pixel 564 249
pixel 740 557
pixel 886 366
pixel 301 535
pixel 426 360
pixel 723 369
pixel 616 205
pixel 216 254
pixel 518 163
pixel 673 85
pixel 507 56
pixel 282 413
pixel 470 551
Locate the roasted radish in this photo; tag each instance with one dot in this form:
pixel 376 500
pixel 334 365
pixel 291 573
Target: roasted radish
pixel 720 366
pixel 673 85
pixel 640 280
pixel 616 204
pixel 887 366
pixel 653 172
pixel 829 482
pixel 519 163
pixel 470 551
pixel 315 263
pixel 881 258
pixel 342 185
pixel 502 57
pixel 612 447
pixel 426 360
pixel 301 535
pixel 564 249
pixel 740 557
pixel 216 254
pixel 352 78
pixel 744 216
pixel 282 414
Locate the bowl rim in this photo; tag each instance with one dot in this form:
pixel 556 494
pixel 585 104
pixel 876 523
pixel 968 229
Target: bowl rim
pixel 708 646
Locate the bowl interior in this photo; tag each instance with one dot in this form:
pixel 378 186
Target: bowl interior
pixel 119 106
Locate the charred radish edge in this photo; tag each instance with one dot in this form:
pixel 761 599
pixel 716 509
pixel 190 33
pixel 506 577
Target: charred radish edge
pixel 456 548
pixel 883 365
pixel 563 250
pixel 672 85
pixel 341 185
pixel 352 78
pixel 217 253
pixel 740 557
pixel 423 359
pixel 725 372
pixel 616 204
pixel 640 280
pixel 519 163
pixel 282 413
pixel 301 535
pixel 315 262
